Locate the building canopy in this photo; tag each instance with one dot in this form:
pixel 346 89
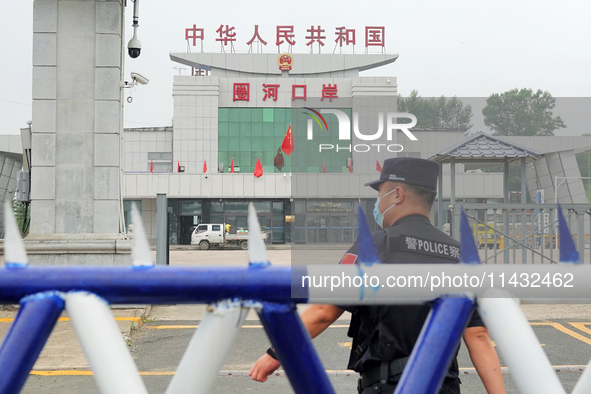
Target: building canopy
pixel 485 148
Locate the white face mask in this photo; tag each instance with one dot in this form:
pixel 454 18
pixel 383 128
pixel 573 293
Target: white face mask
pixel 378 216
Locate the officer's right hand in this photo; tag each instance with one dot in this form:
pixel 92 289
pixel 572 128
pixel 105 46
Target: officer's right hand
pixel 264 367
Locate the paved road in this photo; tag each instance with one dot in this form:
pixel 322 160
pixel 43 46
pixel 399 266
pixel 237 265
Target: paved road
pixel 157 346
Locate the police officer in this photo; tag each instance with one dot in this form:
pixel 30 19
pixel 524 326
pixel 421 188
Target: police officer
pixel 383 336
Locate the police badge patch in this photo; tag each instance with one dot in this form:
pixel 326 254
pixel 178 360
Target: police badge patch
pixel 426 246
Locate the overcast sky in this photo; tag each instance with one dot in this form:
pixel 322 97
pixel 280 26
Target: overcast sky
pixel 464 48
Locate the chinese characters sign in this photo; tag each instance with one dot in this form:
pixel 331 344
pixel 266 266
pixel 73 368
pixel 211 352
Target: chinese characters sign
pixel 241 92
pixel 286 34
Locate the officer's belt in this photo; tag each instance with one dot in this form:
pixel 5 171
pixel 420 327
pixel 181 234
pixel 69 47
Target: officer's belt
pixel 395 367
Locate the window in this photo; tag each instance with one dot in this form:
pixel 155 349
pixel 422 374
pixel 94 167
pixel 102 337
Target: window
pixel 216 227
pixel 160 161
pixel 190 208
pixel 202 228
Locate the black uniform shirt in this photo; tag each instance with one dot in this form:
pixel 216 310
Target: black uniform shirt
pixel 390 332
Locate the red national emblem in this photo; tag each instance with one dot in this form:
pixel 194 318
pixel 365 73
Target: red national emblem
pixel 285 61
pixel 329 92
pixel 349 258
pixel 375 36
pixel 287 33
pixel 270 91
pixel 294 91
pixel 226 34
pixel 241 92
pixel 346 36
pixel 191 34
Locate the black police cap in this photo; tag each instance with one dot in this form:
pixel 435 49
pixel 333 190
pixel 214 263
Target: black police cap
pixel 411 170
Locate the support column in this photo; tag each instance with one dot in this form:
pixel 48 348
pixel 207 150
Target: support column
pixel 523 213
pixel 161 227
pixel 506 212
pixel 455 231
pixel 440 198
pixel 75 174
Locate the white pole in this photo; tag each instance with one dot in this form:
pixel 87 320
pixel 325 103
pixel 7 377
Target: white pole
pixel 104 347
pixel 583 386
pixel 518 345
pixel 208 349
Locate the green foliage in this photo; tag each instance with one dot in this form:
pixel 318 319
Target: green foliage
pixel 521 112
pixel 22 216
pixel 584 162
pixel 437 113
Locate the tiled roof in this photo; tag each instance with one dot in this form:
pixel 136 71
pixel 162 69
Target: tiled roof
pixel 148 129
pixel 486 147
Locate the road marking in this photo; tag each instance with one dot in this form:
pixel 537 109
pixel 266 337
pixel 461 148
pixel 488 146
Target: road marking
pixel 581 326
pixel 565 330
pixel 184 326
pixel 330 372
pixel 133 319
pixel 345 344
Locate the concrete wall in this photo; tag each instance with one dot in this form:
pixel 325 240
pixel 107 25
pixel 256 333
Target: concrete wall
pixel 140 186
pixel 76 117
pixel 138 143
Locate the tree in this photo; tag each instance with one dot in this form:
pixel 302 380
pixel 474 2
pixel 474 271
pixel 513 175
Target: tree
pixel 521 112
pixel 22 215
pixel 437 113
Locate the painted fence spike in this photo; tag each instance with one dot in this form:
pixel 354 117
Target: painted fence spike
pixel 366 249
pixel 468 251
pixel 568 251
pixel 257 252
pixel 293 345
pixel 140 254
pixel 14 248
pixel 436 345
pixel 24 341
pixel 100 337
pixel 583 385
pixel 208 349
pixel 518 346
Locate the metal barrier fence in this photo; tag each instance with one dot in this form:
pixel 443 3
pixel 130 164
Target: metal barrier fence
pixel 43 292
pixel 524 233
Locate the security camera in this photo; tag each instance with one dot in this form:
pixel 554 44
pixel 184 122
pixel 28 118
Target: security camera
pixel 134 47
pixel 139 78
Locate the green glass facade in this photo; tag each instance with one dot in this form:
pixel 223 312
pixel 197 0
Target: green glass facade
pixel 245 134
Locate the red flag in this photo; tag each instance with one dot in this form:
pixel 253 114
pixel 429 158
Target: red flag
pixel 205 166
pixel 258 169
pixel 151 165
pixel 378 166
pixel 178 167
pixel 323 166
pixel 351 166
pixel 287 145
pixel 232 166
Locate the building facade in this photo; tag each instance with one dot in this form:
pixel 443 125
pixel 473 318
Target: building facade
pixel 236 112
